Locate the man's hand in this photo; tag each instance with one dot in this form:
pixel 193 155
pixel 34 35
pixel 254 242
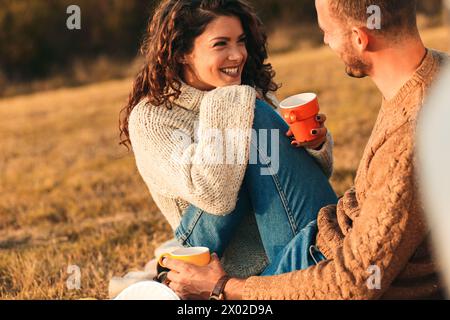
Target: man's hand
pixel 192 282
pixel 320 134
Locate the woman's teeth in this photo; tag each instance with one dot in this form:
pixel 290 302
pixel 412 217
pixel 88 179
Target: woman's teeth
pixel 233 72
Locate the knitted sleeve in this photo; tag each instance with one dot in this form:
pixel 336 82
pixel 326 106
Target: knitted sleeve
pixel 385 234
pixel 208 171
pixel 324 156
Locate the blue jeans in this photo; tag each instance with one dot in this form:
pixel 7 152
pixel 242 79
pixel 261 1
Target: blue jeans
pixel 300 253
pixel 285 202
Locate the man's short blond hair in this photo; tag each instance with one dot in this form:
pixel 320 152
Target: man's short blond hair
pixel 396 15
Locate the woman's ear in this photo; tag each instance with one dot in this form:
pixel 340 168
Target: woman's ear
pixel 360 39
pixel 181 58
pixel 185 59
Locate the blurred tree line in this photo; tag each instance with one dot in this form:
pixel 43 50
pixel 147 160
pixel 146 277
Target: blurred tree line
pixel 34 39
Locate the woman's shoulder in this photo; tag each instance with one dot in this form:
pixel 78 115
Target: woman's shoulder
pixel 145 118
pixel 145 128
pixel 151 122
pixel 145 113
pixel 139 110
pixel 138 116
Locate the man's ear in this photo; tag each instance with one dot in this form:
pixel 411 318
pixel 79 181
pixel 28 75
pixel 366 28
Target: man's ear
pixel 361 39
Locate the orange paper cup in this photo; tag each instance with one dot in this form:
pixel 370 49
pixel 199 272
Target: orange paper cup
pixel 300 113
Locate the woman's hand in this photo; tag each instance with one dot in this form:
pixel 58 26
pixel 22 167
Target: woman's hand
pixel 320 134
pixel 192 282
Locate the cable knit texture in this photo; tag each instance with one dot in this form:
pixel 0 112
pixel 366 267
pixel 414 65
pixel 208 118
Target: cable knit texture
pixel 378 225
pixel 178 157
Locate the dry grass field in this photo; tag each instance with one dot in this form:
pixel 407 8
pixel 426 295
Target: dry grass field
pixel 70 195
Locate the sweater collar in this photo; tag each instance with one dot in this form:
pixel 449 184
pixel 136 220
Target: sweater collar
pixel 190 97
pixel 422 72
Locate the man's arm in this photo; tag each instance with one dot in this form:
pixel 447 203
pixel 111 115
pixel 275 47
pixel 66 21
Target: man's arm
pixel 234 289
pixel 385 234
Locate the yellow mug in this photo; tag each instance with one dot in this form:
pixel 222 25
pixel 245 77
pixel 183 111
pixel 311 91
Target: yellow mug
pixel 198 256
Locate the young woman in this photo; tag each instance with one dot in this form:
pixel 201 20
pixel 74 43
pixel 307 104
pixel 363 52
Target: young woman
pixel 204 87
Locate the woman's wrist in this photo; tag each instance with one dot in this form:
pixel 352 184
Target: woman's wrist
pixel 234 289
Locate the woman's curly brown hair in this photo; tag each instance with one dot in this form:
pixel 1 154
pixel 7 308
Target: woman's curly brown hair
pixel 170 36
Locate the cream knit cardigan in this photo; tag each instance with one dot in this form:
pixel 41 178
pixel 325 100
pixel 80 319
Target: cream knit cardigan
pixel 171 145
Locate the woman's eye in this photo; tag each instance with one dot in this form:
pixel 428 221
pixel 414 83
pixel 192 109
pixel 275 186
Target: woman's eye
pixel 220 44
pixel 243 40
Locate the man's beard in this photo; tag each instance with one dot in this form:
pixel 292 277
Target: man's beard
pixel 357 68
pixel 358 74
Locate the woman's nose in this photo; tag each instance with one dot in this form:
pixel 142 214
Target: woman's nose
pixel 237 55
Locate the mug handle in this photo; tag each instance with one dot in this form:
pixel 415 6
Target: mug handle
pixel 161 258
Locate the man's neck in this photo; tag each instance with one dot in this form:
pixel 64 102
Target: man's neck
pixel 394 66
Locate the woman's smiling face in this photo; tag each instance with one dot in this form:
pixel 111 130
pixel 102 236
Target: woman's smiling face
pixel 218 57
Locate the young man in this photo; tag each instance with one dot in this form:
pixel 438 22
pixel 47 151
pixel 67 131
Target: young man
pixel 375 241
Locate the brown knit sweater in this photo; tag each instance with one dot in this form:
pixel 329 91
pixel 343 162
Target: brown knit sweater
pixel 378 226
